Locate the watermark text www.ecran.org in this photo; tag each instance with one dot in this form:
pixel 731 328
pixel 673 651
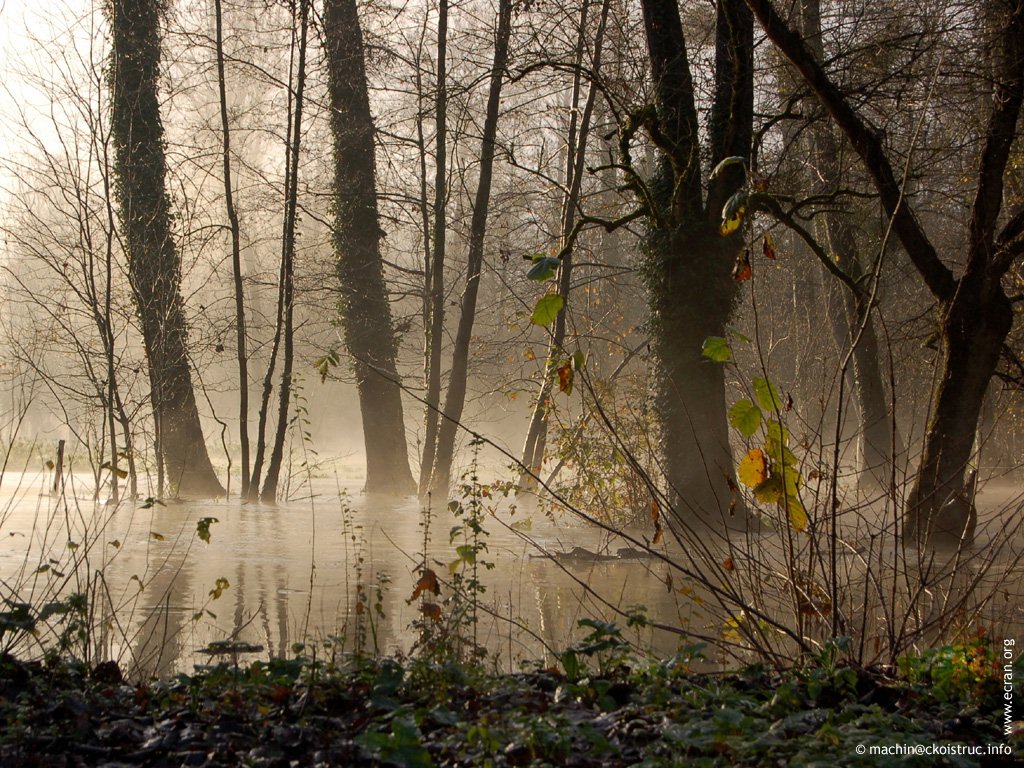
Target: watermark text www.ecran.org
pixel 1008 654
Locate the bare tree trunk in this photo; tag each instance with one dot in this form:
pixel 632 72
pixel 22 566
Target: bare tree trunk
pixel 286 304
pixel 435 267
pixel 876 438
pixel 575 156
pixel 236 256
pixel 365 311
pixel 455 397
pixel 153 261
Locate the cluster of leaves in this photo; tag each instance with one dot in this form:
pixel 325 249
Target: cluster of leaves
pixel 546 311
pixel 771 470
pixel 971 669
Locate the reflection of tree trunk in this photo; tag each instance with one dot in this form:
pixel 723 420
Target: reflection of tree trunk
pixel 455 397
pixel 153 262
pixel 366 314
pixel 575 156
pixel 434 265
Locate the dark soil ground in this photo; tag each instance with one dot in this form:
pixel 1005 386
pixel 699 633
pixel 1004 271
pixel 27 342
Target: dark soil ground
pixel 418 713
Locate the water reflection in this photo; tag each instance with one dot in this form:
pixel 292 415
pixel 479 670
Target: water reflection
pixel 292 573
pixel 275 576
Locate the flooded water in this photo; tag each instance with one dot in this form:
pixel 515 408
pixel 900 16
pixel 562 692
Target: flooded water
pixel 297 572
pixel 337 570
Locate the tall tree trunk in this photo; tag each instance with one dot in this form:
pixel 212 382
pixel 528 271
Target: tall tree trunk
pixel 687 263
pixel 976 323
pixel 435 264
pixel 236 255
pixel 153 261
pixel 575 156
pixel 286 303
pixel 455 397
pixel 365 311
pixel 876 437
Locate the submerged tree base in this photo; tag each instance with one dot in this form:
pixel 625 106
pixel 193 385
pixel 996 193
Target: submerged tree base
pixel 414 713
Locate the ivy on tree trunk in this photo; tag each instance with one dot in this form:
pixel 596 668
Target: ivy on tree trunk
pixel 154 265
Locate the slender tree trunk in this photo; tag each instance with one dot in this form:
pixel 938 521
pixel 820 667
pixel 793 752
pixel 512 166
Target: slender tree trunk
pixel 263 420
pixel 153 262
pixel 435 268
pixel 236 255
pixel 365 311
pixel 455 397
pixel 287 301
pixel 575 156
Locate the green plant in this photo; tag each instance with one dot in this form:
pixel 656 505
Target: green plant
pixel 966 671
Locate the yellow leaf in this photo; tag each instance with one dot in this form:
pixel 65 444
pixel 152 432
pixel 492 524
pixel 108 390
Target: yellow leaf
pixel 731 224
pixel 797 513
pixel 753 468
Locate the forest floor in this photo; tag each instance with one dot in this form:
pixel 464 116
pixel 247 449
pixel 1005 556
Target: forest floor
pixel 414 712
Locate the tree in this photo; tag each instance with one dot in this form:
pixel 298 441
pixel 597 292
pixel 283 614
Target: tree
pixel 849 311
pixel 153 261
pixel 575 155
pixel 433 263
pixel 455 396
pixel 365 312
pixel 687 262
pixel 974 312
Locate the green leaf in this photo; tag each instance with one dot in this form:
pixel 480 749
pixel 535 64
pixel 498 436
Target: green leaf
pixel 745 417
pixel 547 309
pixel 544 268
pixel 717 349
pixel 767 395
pixel 770 491
pixel 729 161
pixel 579 360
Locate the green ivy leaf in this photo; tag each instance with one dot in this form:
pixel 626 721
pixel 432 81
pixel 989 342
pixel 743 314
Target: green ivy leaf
pixel 547 309
pixel 745 417
pixel 717 349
